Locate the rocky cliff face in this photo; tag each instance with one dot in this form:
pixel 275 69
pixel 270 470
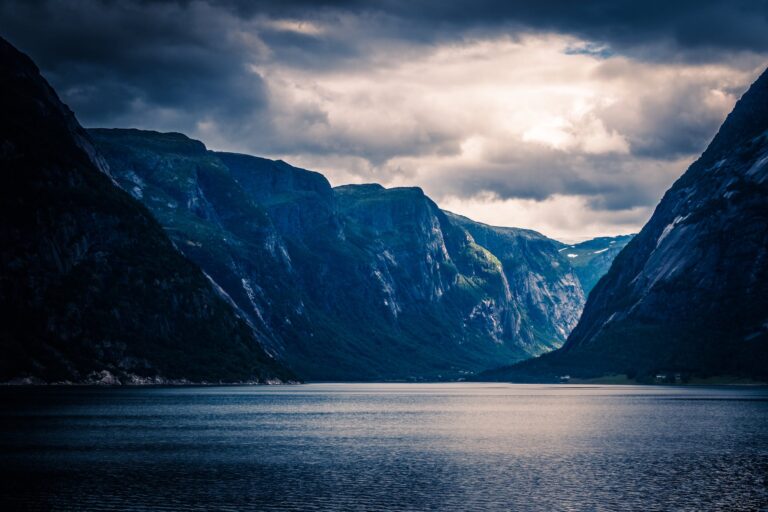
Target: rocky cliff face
pixel 427 267
pixel 212 220
pixel 356 282
pixel 690 292
pixel 91 288
pixel 300 202
pixel 546 293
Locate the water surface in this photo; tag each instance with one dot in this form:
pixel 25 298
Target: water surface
pixel 385 447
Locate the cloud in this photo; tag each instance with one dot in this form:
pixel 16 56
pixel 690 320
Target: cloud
pixel 697 30
pixel 118 62
pixel 509 119
pixel 524 107
pixel 566 218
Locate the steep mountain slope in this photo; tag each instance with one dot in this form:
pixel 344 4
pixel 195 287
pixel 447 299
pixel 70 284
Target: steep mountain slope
pixel 690 292
pixel 357 282
pixel 300 202
pixel 547 293
pixel 90 286
pixel 211 220
pixel 591 259
pixel 428 278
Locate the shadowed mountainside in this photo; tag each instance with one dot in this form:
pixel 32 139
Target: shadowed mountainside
pixel 91 288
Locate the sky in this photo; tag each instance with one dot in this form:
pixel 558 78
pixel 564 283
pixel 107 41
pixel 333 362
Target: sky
pixel 570 118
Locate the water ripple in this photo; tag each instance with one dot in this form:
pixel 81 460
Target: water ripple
pixel 385 447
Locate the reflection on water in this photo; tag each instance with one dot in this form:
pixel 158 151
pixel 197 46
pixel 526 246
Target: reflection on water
pixel 385 447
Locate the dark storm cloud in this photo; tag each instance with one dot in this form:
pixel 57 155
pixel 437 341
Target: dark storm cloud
pixel 112 57
pixel 119 60
pixel 692 28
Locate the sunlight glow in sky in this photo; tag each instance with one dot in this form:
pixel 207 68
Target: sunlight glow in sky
pixel 544 117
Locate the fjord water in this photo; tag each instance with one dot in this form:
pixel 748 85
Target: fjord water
pixel 385 447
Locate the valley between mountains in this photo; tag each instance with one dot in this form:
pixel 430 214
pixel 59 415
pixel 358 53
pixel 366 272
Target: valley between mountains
pixel 356 282
pixel 140 257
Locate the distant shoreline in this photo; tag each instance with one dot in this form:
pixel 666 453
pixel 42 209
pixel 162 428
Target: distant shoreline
pixel 721 380
pixel 601 381
pixel 107 379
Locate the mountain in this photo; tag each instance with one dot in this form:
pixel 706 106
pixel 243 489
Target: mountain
pixel 592 259
pixel 91 288
pixel 689 293
pixel 136 256
pixel 358 282
pixel 547 291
